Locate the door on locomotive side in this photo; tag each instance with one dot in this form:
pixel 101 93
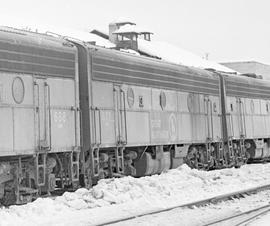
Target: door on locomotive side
pixel 57 125
pixel 64 121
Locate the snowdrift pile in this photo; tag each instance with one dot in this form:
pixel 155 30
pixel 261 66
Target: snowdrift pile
pixel 113 198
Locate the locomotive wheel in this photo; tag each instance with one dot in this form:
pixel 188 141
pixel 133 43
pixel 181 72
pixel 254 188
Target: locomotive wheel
pixel 9 198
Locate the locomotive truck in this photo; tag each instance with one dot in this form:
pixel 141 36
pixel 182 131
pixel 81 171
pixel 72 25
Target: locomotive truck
pixel 73 113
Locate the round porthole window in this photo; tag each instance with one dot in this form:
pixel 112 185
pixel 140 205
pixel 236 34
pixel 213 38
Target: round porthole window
pixel 162 99
pixel 130 97
pixel 18 90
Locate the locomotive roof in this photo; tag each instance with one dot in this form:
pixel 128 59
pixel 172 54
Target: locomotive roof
pixel 35 53
pixel 116 66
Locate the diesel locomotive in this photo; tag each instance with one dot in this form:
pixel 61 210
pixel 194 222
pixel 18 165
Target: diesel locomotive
pixel 73 113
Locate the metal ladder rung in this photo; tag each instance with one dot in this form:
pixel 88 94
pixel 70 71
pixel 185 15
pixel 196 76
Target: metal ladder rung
pixel 230 145
pixel 220 148
pixel 119 159
pixel 95 157
pixel 75 165
pixel 39 167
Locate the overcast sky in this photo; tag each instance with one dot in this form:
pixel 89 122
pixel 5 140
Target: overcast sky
pixel 229 30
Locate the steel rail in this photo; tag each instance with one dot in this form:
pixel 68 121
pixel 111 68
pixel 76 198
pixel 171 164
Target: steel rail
pixel 212 200
pixel 241 218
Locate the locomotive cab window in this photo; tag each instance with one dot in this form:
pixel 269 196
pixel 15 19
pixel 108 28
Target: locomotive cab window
pixel 18 90
pixel 215 107
pixel 231 107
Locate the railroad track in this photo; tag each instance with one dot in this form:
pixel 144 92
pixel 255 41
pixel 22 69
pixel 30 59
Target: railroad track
pixel 241 218
pixel 212 200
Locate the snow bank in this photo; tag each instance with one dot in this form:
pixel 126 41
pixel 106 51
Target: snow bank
pixel 128 196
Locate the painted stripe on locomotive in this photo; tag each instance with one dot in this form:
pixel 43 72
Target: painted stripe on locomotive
pixel 247 87
pixel 166 76
pixel 37 60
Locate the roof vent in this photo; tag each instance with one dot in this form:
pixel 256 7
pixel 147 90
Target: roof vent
pixel 125 35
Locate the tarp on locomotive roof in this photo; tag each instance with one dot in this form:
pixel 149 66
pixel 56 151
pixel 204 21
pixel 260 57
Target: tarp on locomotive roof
pixel 35 53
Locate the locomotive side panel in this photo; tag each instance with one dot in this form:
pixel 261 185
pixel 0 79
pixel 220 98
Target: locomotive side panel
pixel 267 117
pixel 216 118
pixel 63 114
pixel 264 114
pixel 17 111
pixel 163 116
pixel 249 108
pixel 257 122
pixel 103 100
pixel 233 119
pixel 184 118
pixel 138 112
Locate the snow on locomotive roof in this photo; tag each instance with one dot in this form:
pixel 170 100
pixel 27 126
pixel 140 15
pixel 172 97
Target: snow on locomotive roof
pixel 177 55
pixel 174 54
pixel 131 29
pixel 83 36
pixel 20 36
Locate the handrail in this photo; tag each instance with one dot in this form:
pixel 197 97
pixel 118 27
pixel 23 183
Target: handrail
pixel 117 114
pixel 211 114
pixel 75 124
pixel 81 131
pixel 125 114
pixel 232 128
pixel 38 90
pixel 99 119
pixel 239 115
pixel 243 118
pixel 231 124
pixel 207 115
pixel 50 123
pixel 94 124
pixel 96 111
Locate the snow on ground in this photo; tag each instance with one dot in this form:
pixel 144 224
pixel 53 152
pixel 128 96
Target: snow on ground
pixel 128 196
pixel 263 220
pixel 202 215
